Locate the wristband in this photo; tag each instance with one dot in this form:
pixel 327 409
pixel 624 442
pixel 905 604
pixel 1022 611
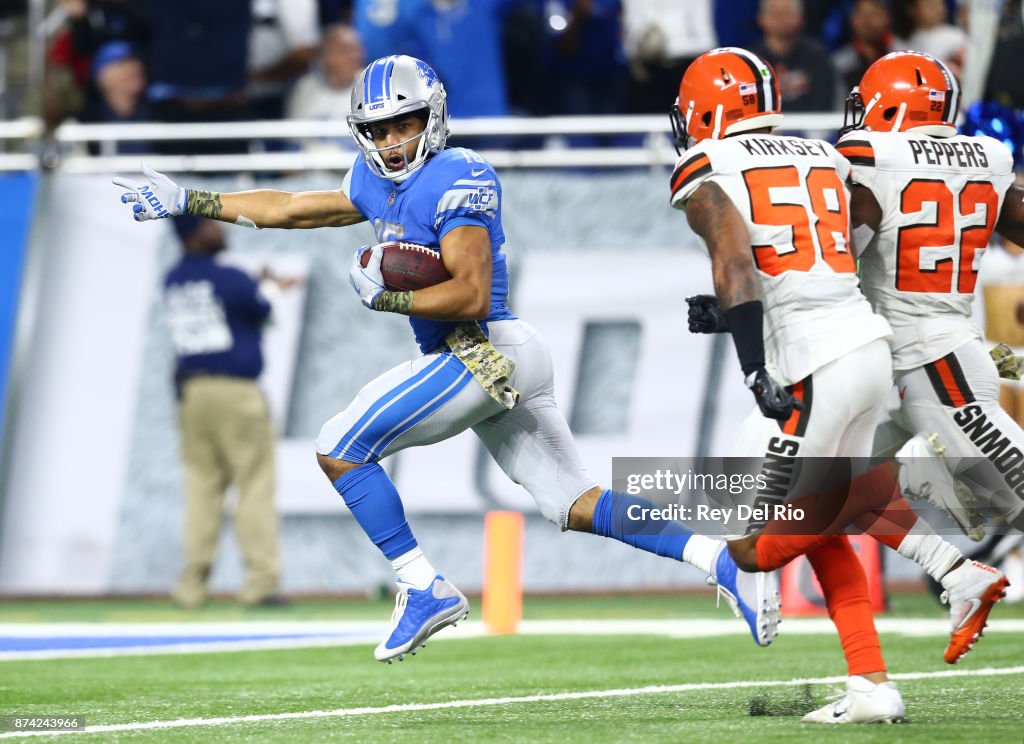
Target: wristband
pixel 746 322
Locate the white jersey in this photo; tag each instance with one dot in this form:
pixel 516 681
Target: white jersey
pixel 940 200
pixel 792 195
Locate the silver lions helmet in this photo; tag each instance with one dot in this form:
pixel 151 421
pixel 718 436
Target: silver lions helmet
pixel 396 86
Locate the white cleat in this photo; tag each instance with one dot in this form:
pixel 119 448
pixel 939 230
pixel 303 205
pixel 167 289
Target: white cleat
pixel 863 702
pixel 925 476
pixel 972 590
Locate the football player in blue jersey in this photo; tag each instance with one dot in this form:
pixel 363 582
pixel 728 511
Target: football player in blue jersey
pixel 481 367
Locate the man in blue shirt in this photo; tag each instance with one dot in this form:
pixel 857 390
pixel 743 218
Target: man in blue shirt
pixel 216 315
pixel 482 367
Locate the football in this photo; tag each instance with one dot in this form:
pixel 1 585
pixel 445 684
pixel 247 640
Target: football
pixel 407 267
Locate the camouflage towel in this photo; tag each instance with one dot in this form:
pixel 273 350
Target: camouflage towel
pixel 1009 364
pixel 492 369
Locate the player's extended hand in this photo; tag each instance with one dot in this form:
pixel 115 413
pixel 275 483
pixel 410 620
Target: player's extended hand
pixel 706 315
pixel 774 400
pixel 156 197
pixel 1010 365
pixel 368 282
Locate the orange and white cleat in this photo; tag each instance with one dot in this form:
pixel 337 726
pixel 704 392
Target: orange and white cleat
pixel 971 591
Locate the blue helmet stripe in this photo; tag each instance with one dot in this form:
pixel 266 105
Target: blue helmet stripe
pixel 387 76
pixel 374 86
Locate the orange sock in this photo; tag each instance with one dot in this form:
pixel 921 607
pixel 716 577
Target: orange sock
pixel 846 595
pixel 826 514
pixel 889 525
pixel 775 551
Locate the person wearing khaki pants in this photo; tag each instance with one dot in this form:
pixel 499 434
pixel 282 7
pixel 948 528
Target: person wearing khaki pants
pixel 226 438
pixel 216 314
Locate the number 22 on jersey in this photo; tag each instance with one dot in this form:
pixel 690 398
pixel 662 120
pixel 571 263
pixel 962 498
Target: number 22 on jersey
pixel 915 270
pixel 819 226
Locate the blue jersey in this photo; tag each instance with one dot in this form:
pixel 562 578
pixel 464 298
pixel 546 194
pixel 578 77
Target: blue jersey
pixel 216 314
pixel 455 187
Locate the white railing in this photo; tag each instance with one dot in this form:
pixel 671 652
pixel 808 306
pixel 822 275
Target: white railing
pixel 67 149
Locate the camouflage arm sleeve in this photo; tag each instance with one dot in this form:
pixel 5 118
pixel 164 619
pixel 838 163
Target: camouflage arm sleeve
pixel 203 204
pixel 394 302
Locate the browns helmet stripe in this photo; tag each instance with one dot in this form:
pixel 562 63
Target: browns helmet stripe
pixel 952 94
pixel 764 85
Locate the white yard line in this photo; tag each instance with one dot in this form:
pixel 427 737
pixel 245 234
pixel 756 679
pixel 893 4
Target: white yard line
pixel 352 633
pixel 492 702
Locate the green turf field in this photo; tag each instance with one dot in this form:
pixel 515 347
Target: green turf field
pixel 721 704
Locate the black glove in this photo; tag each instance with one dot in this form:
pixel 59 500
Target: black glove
pixel 706 315
pixel 774 400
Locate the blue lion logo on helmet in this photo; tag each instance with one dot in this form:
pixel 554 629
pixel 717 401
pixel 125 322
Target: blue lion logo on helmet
pixel 426 73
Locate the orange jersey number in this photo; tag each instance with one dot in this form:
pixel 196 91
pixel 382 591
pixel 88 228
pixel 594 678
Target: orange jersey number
pixel 941 232
pixel 821 230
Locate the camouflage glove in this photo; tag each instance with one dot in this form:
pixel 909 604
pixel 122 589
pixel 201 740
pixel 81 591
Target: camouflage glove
pixel 1010 365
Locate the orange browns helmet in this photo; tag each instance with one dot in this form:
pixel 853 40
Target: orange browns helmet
pixel 905 92
pixel 725 91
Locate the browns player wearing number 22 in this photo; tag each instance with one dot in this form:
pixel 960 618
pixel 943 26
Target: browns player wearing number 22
pixel 929 200
pixel 932 198
pixel 481 367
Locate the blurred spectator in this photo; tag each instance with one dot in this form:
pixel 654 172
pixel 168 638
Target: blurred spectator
pixel 828 21
pixel 325 93
pixel 806 78
pixel 662 37
pixel 94 23
pixel 282 45
pixel 527 53
pixel 199 68
pixel 1005 84
pixel 120 81
pixel 461 40
pixel 334 11
pixel 590 59
pixel 872 38
pixel 216 314
pixel 385 27
pixel 88 25
pixel 924 25
pixel 736 23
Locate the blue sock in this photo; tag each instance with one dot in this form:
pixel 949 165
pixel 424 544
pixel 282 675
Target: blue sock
pixel 665 537
pixel 374 501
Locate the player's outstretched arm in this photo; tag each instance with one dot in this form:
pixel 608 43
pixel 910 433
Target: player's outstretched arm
pixel 715 219
pixel 158 196
pixel 1011 218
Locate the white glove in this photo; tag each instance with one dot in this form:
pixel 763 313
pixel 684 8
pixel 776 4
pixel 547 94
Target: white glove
pixel 160 197
pixel 367 282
